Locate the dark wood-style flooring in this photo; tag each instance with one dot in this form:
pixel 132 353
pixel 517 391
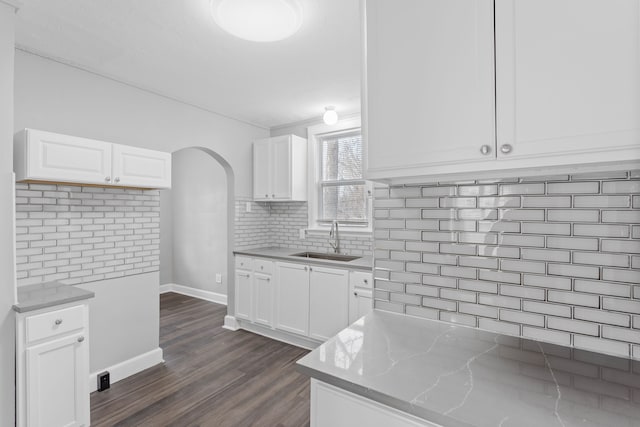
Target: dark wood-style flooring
pixel 211 377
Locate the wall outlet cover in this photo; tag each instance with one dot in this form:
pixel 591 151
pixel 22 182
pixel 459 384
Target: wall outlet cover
pixel 218 278
pixel 303 233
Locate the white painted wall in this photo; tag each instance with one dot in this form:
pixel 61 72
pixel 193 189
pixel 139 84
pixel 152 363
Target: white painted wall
pixel 199 219
pixel 7 261
pixel 59 98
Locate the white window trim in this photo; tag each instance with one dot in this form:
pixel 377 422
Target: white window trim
pixel 313 134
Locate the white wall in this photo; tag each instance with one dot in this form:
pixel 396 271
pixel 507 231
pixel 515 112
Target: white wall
pixel 199 218
pixel 7 280
pixel 59 98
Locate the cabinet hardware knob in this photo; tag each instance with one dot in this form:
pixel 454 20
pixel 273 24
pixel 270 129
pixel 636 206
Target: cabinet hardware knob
pixel 58 321
pixel 266 195
pixel 366 281
pixel 506 148
pixel 310 269
pixel 80 339
pixel 108 178
pixel 485 149
pixel 117 179
pixel 355 294
pixel 305 269
pixel 268 279
pixel 262 267
pixel 273 195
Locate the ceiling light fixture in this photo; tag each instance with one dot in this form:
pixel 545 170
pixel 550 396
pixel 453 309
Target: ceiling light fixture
pixel 330 116
pixel 258 20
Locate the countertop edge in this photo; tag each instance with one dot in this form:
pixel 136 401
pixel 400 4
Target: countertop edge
pixel 81 295
pixel 288 258
pixel 376 396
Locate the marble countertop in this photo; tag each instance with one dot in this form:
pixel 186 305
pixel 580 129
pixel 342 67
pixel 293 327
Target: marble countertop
pixel 462 377
pixel 50 294
pixel 285 254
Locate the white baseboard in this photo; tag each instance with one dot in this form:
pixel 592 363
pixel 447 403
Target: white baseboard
pixel 293 339
pixel 230 323
pixel 127 368
pixel 193 292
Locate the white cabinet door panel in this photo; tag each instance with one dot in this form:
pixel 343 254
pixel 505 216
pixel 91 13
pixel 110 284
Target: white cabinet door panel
pixel 292 298
pixel 263 301
pixel 57 383
pixel 329 302
pixel 568 76
pixel 430 84
pixel 282 164
pixel 65 158
pixel 261 171
pixel 139 167
pixel 243 294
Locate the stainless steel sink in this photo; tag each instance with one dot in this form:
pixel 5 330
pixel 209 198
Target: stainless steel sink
pixel 329 257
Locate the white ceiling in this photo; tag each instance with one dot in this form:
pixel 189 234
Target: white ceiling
pixel 174 48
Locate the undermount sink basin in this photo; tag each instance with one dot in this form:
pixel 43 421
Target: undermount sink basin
pixel 330 257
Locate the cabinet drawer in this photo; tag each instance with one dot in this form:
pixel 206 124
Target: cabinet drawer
pixel 263 266
pixel 360 279
pixel 244 263
pixel 54 323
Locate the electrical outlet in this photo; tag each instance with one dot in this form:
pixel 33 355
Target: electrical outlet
pixel 104 381
pixel 248 207
pixel 218 278
pixel 303 233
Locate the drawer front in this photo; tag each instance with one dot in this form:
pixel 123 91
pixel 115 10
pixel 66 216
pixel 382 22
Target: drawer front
pixel 54 323
pixel 263 266
pixel 244 263
pixel 361 279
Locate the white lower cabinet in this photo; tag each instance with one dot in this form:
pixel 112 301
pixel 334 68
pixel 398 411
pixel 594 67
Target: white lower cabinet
pixel 292 298
pixel 263 301
pixel 335 407
pixel 300 299
pixel 53 368
pixel 328 302
pixel 244 294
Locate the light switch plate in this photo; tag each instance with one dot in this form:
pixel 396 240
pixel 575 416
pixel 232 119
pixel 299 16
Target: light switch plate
pixel 303 233
pixel 218 278
pixel 248 207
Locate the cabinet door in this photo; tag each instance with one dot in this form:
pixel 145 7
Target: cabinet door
pixel 292 298
pixel 63 158
pixel 58 383
pixel 281 167
pixel 329 302
pixel 568 77
pixel 261 170
pixel 243 294
pixel 263 301
pixel 429 84
pixel 138 167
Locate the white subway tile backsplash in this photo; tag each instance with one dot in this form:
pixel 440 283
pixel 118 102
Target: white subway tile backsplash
pixel 550 258
pixel 67 242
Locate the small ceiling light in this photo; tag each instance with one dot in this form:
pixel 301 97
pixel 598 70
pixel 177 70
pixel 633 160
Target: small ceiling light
pixel 330 116
pixel 258 20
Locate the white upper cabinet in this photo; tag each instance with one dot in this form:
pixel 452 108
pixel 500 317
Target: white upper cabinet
pixel 139 167
pixel 568 78
pixel 280 169
pixel 50 157
pixel 429 84
pixel 564 93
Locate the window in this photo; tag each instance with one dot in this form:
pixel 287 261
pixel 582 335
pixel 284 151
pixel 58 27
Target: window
pixel 338 190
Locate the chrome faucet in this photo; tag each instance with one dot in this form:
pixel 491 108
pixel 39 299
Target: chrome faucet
pixel 334 237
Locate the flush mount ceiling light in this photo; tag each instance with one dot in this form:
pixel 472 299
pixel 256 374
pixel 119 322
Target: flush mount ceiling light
pixel 258 20
pixel 330 116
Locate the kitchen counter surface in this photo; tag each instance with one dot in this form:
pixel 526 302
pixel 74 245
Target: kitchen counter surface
pixel 50 294
pixel 285 254
pixel 458 376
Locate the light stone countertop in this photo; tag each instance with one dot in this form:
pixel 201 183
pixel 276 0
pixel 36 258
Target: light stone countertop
pixel 50 294
pixel 461 377
pixel 285 254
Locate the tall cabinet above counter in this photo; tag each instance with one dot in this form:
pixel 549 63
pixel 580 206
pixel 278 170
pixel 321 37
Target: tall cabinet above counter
pixel 445 92
pixel 41 156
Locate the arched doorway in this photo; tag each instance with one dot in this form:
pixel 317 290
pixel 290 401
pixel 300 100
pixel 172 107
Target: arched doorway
pixel 197 230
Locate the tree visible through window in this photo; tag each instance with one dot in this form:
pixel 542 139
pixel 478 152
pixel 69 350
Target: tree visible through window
pixel 343 193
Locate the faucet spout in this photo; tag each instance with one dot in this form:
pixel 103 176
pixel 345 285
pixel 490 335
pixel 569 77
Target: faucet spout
pixel 334 237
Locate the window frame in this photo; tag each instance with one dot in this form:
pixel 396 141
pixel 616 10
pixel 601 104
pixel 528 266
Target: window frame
pixel 314 135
